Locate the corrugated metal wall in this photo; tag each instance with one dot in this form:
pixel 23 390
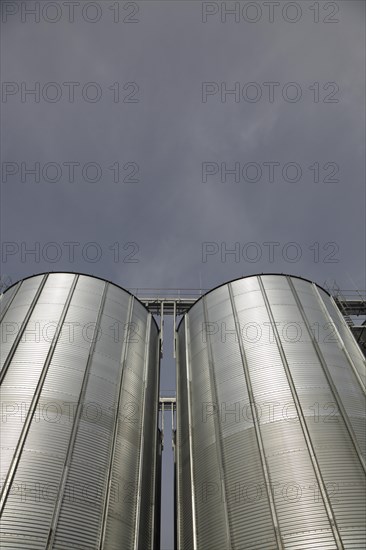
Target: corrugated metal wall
pixel 79 403
pixel 270 421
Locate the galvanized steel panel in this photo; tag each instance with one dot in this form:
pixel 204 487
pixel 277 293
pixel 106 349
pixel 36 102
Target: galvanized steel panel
pixel 74 394
pixel 302 431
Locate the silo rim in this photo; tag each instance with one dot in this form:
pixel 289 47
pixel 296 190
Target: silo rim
pixel 84 275
pixel 247 277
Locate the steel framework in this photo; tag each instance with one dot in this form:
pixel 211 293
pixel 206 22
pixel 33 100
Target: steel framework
pixel 176 302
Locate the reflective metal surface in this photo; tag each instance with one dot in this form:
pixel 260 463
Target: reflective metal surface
pixel 270 420
pixel 79 403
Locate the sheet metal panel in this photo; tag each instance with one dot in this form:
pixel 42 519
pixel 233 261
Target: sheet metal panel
pixel 310 419
pixel 68 489
pixel 184 492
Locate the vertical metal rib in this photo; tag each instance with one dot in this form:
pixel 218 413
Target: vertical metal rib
pixel 161 328
pixel 37 393
pixel 328 376
pixel 75 427
pixel 256 423
pixel 22 329
pixel 153 515
pixel 3 313
pixel 177 454
pixel 300 414
pixel 218 434
pixel 142 438
pixel 189 398
pixel 174 328
pixel 115 430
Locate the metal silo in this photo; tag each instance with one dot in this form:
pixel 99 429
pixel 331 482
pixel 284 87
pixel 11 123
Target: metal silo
pixel 79 403
pixel 270 420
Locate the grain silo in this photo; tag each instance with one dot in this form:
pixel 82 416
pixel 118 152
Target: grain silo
pixel 270 420
pixel 79 403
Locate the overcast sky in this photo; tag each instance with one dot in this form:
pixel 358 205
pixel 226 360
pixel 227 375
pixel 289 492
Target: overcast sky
pixel 145 102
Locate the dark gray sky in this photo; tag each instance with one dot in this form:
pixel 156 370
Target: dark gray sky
pixel 170 131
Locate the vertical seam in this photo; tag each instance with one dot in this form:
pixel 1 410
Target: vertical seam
pixel 115 430
pixel 190 434
pixel 5 310
pixel 178 451
pixel 300 414
pixel 218 434
pixel 156 443
pixel 264 464
pixel 24 324
pixel 24 433
pixel 75 427
pixel 142 436
pixel 328 377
